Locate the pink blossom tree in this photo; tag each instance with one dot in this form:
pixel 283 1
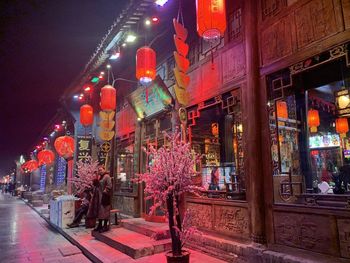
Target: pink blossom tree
pixel 168 178
pixel 86 173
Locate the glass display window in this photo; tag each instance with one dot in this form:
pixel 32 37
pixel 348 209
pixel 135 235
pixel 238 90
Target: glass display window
pixel 125 169
pixel 310 139
pixel 217 137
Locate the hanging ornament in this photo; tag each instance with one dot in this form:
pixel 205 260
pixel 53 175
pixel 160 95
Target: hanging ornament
pixel 86 115
pixel 342 126
pixel 313 120
pixel 108 98
pixel 211 19
pixel 146 66
pixel 64 146
pixel 30 166
pixel 46 157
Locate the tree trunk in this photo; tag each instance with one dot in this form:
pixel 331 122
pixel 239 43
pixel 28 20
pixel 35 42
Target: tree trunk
pixel 175 238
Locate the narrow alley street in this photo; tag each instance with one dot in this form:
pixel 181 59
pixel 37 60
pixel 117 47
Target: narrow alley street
pixel 26 237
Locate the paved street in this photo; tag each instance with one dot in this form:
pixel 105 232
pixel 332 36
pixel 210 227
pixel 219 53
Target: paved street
pixel 26 237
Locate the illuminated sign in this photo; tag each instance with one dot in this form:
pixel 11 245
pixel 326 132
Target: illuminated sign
pixel 159 98
pixel 324 141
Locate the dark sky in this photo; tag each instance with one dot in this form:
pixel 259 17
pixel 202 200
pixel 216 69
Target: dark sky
pixel 43 47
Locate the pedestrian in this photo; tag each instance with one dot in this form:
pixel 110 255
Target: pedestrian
pixel 82 210
pixel 101 200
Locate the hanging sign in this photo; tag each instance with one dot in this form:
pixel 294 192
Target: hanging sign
pixel 84 146
pixel 103 152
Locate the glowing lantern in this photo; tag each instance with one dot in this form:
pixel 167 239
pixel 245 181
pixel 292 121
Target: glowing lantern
pixel 46 157
pixel 64 146
pixel 108 98
pixel 30 166
pixel 215 129
pixel 313 120
pixel 86 115
pixel 342 126
pixel 343 101
pixel 146 65
pixel 211 18
pixel 282 110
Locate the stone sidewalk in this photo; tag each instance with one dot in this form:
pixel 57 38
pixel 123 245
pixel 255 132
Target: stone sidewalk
pixel 25 237
pixel 100 252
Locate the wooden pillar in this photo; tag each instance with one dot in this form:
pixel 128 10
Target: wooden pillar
pixel 252 126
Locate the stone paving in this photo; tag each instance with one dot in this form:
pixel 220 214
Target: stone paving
pixel 26 237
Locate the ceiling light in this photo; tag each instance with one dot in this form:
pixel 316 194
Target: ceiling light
pixel 147 22
pixel 130 38
pixel 75 96
pixel 161 2
pixel 108 66
pixel 124 45
pixel 102 73
pixel 155 19
pixel 87 89
pixel 95 80
pixel 115 55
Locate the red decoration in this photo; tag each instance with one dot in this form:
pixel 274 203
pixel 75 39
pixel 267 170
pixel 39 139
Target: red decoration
pixel 282 110
pixel 313 120
pixel 46 157
pixel 86 115
pixel 341 125
pixel 64 146
pixel 211 18
pixel 30 166
pixel 146 65
pixel 108 98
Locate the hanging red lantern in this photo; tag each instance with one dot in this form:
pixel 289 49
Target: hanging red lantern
pixel 146 65
pixel 46 157
pixel 282 109
pixel 108 98
pixel 64 146
pixel 313 119
pixel 211 18
pixel 86 115
pixel 342 126
pixel 30 166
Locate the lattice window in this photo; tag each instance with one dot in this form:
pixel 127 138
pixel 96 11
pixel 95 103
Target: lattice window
pixel 235 24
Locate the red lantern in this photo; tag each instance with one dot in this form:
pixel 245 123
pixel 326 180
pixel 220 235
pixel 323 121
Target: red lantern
pixel 86 115
pixel 108 98
pixel 46 157
pixel 313 120
pixel 282 110
pixel 146 65
pixel 64 146
pixel 342 126
pixel 30 166
pixel 211 18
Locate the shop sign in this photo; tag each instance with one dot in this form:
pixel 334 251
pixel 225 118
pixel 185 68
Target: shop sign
pixel 159 98
pixel 324 141
pixel 84 146
pixel 103 151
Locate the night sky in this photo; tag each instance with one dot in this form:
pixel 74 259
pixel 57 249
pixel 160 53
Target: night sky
pixel 43 47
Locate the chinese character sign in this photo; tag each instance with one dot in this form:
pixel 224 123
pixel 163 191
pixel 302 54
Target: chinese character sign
pixel 84 146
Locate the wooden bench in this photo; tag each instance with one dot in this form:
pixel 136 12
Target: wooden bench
pixel 115 212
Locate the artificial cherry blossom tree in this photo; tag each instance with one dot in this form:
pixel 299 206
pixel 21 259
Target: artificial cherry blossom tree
pixel 86 173
pixel 167 179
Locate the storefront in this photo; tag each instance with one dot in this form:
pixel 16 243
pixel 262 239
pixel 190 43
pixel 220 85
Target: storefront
pixel 308 119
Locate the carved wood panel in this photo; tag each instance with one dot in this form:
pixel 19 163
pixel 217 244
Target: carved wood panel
pixel 314 20
pixel 344 237
pixel 306 231
pixel 202 215
pixel 233 63
pixel 271 8
pixel 346 13
pixel 277 40
pixel 232 221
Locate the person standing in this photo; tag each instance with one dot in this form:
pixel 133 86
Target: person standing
pixel 102 197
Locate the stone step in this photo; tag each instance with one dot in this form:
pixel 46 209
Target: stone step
pixel 37 203
pixel 157 231
pixel 132 243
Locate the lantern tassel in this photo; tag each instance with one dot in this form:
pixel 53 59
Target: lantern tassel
pixel 146 94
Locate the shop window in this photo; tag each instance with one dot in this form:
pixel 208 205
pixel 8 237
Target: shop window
pixel 310 137
pixel 125 170
pixel 217 136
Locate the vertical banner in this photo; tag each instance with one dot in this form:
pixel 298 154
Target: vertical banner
pixel 104 153
pixel 84 148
